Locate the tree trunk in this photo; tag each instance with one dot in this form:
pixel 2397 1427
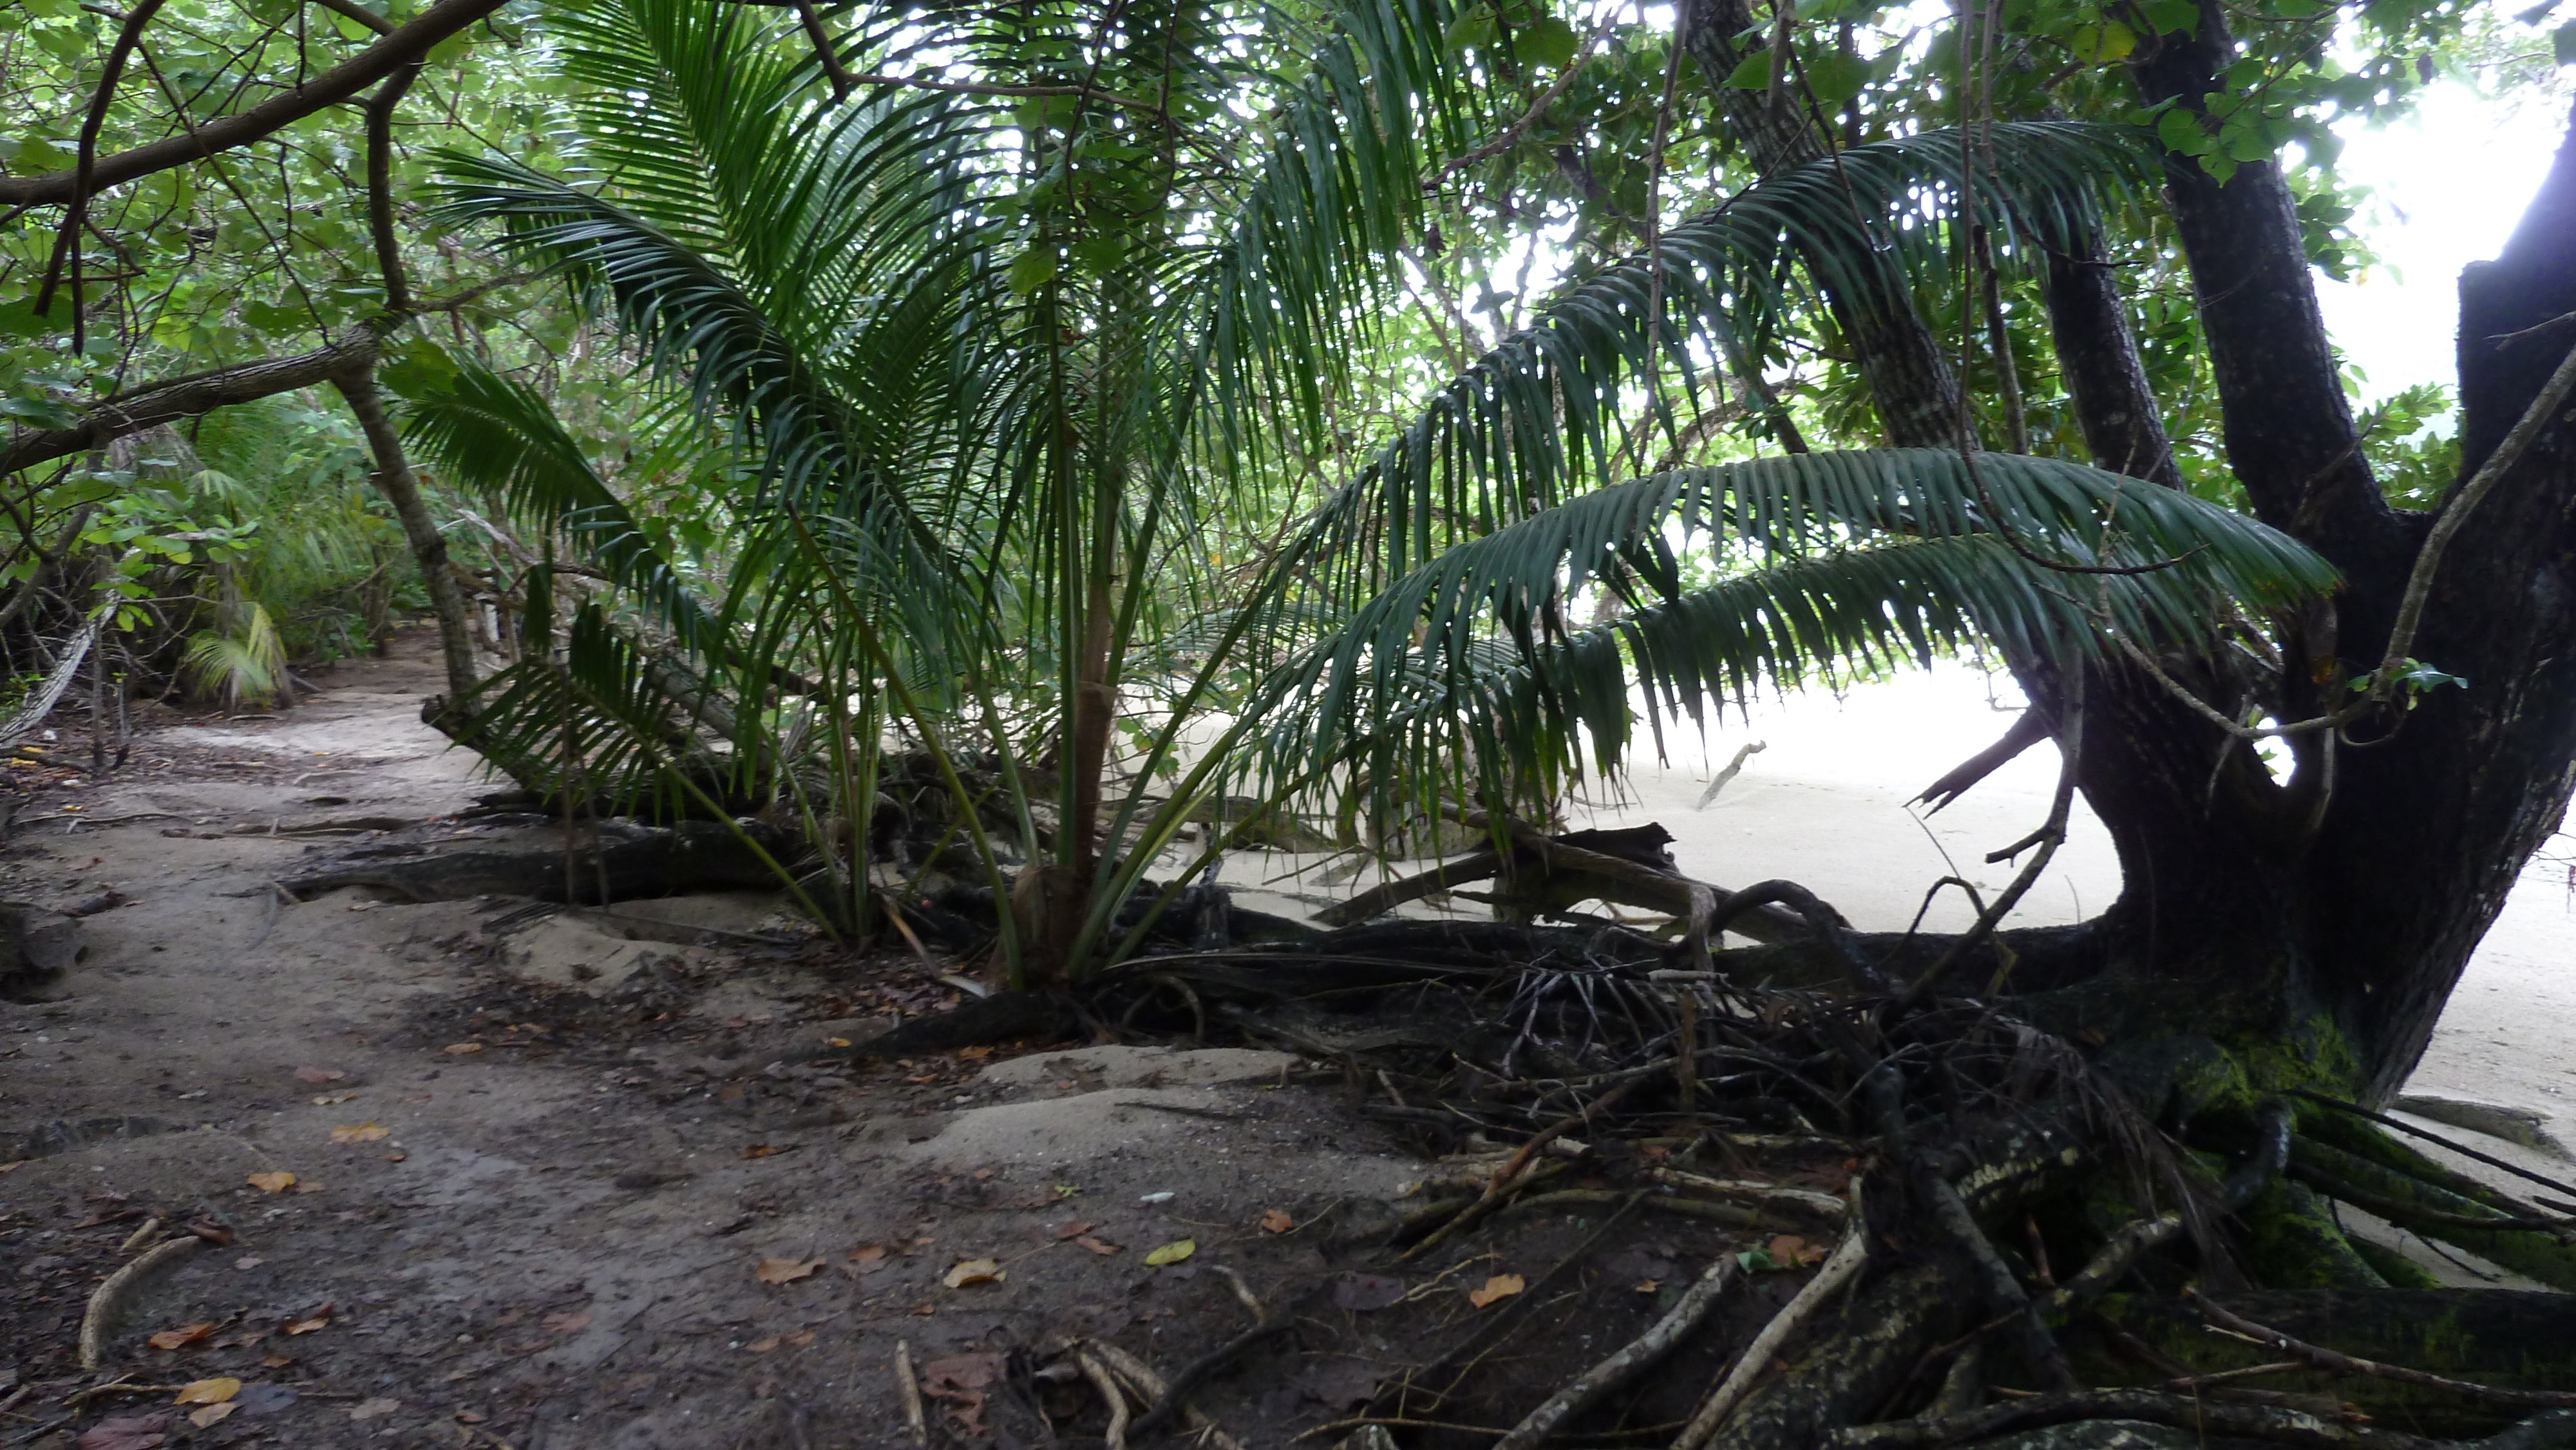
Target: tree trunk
pixel 1910 378
pixel 2335 912
pixel 395 481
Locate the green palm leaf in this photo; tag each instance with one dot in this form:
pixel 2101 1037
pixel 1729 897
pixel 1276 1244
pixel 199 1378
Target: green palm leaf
pixel 1465 674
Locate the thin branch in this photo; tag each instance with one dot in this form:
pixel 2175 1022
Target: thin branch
pixel 380 195
pixel 2543 411
pixel 340 83
pixel 85 170
pixel 1504 139
pixel 2337 1362
pixel 825 51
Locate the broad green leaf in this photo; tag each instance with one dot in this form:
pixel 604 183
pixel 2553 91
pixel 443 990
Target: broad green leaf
pixel 1753 73
pixel 1549 42
pixel 1032 270
pixel 1836 77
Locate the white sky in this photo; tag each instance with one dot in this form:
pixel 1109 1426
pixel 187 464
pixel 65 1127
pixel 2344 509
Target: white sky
pixel 2452 181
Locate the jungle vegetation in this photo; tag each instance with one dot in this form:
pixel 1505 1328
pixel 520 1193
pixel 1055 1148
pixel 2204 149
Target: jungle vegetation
pixel 1062 441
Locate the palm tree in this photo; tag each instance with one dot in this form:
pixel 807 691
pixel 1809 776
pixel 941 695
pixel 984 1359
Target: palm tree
pixel 1016 334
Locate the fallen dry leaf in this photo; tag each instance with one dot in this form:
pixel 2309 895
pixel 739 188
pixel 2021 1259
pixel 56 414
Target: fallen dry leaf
pixel 249 1261
pixel 201 1418
pixel 763 1346
pixel 800 1339
pixel 318 1075
pixel 868 1253
pixel 973 1271
pixel 768 1150
pixel 277 1182
pixel 1073 1230
pixel 1172 1253
pixel 181 1337
pixel 786 1271
pixel 1499 1287
pixel 208 1392
pixel 461 1048
pixel 1276 1221
pixel 357 1133
pixel 974 1054
pixel 373 1409
pixel 215 1234
pixel 318 1319
pixel 961 1380
pixel 572 1323
pixel 1791 1252
pixel 129 1432
pixel 1098 1246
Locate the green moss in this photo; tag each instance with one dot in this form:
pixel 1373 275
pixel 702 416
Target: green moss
pixel 2293 1242
pixel 2400 1271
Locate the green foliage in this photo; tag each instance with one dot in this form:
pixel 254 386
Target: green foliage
pixel 245 665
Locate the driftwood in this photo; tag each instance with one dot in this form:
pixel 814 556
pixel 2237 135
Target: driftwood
pixel 1544 874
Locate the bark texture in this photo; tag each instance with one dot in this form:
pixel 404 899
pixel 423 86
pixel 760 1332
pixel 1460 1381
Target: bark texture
pixel 1910 377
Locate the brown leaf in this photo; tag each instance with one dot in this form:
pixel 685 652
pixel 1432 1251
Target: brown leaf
pixel 973 1271
pixel 211 1413
pixel 130 1432
pixel 1098 1246
pixel 571 1323
pixel 357 1133
pixel 459 1049
pixel 1073 1230
pixel 769 1150
pixel 763 1346
pixel 960 1372
pixel 181 1337
pixel 275 1361
pixel 219 1235
pixel 786 1271
pixel 800 1339
pixel 277 1182
pixel 208 1392
pixel 974 1054
pixel 1276 1221
pixel 961 1380
pixel 1790 1252
pixel 318 1075
pixel 318 1319
pixel 1497 1288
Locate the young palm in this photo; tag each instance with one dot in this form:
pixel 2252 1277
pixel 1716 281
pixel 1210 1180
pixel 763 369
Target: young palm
pixel 1018 328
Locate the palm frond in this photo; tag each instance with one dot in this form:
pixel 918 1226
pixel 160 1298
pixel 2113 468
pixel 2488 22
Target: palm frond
pixel 1542 413
pixel 1823 563
pixel 500 438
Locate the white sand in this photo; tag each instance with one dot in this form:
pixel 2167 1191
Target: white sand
pixel 1825 805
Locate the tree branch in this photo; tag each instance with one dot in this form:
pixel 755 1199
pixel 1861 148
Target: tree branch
pixel 380 186
pixel 342 82
pixel 187 397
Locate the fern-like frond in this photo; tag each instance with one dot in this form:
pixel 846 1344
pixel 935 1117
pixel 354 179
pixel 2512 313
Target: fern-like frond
pixel 1769 573
pixel 498 437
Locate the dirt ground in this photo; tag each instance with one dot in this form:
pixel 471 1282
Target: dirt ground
pixel 549 1189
